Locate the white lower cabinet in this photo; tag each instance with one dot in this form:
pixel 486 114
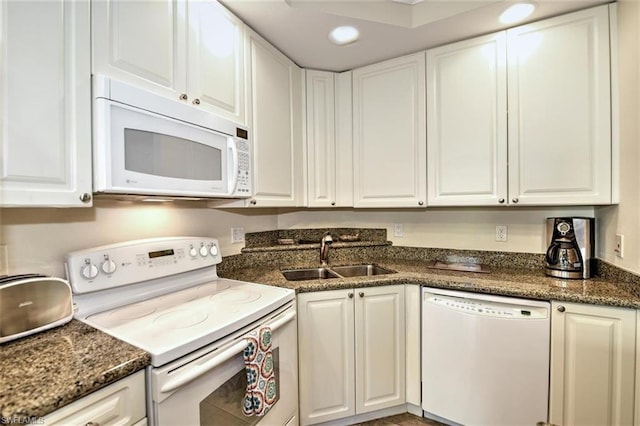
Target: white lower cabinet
pixel 121 403
pixel 353 345
pixel 593 351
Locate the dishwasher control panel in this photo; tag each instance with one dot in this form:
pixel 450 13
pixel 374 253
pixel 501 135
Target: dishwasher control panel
pixel 486 308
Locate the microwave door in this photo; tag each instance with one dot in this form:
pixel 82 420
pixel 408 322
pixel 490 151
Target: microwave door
pixel 153 154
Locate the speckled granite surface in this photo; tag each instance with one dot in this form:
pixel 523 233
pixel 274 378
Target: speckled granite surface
pixel 512 274
pixel 46 371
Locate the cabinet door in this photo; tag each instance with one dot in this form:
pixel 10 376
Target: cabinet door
pixel 326 353
pixel 592 364
pixel 278 142
pixel 467 123
pixel 560 110
pixel 45 94
pixel 321 139
pixel 141 43
pixel 380 348
pixel 389 128
pixel 216 60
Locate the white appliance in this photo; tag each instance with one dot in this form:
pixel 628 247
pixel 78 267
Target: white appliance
pixel 146 144
pixel 485 359
pixel 163 295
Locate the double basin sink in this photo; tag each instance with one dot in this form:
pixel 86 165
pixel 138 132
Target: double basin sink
pixel 335 272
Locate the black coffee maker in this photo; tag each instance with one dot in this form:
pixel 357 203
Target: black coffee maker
pixel 571 247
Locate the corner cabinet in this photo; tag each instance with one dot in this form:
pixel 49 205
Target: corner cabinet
pixel 389 133
pixel 45 93
pixel 353 344
pixel 329 140
pixel 276 87
pixel 553 78
pixel 593 354
pixel 192 51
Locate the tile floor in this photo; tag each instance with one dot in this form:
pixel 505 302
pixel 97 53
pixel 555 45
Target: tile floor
pixel 405 419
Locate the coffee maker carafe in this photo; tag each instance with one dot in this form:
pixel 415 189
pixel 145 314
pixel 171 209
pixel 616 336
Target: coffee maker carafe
pixel 570 247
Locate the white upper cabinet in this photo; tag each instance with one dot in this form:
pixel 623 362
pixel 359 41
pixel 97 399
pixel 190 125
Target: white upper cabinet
pixel 45 103
pixel 329 142
pixel 276 119
pixel 187 50
pixel 560 110
pixel 467 122
pixel 553 79
pixel 389 133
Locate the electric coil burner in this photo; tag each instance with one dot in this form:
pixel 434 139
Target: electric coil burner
pixel 164 296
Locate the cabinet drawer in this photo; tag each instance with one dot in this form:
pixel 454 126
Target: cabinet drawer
pixel 121 403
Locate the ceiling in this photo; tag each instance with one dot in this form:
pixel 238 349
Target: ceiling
pixel 388 28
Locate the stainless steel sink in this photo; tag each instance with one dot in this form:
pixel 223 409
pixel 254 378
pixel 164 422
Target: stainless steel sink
pixel 361 270
pixel 309 274
pixel 335 272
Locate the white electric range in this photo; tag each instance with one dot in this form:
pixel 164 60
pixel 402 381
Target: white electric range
pixel 164 296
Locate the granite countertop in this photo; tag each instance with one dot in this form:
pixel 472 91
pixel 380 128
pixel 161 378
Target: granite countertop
pixel 48 370
pixel 525 283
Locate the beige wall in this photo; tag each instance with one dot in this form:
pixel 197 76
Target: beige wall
pixel 625 218
pixel 37 239
pixel 461 228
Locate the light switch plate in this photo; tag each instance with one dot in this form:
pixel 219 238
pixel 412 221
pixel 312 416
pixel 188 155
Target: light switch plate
pixel 398 230
pixel 619 246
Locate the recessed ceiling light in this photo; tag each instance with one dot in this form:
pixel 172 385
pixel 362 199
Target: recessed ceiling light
pixel 516 12
pixel 344 35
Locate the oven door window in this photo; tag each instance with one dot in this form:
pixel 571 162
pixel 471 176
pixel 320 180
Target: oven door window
pixel 169 156
pixel 223 407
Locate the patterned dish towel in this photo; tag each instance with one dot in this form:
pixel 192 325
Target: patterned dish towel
pixel 261 380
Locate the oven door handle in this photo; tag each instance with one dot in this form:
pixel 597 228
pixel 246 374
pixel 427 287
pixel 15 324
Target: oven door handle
pixel 279 322
pixel 226 354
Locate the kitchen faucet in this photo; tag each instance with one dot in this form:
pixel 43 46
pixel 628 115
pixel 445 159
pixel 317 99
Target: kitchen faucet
pixel 325 242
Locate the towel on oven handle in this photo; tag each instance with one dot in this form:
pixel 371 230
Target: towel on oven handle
pixel 261 381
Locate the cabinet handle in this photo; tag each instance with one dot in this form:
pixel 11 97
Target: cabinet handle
pixel 515 201
pixel 333 203
pixel 253 202
pixel 184 97
pixel 196 101
pixel 561 308
pixel 350 295
pixel 92 424
pixel 361 294
pixel 85 198
pixel 501 200
pixel 420 203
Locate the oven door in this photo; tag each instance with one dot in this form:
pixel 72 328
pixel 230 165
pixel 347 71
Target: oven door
pixel 208 387
pixel 139 152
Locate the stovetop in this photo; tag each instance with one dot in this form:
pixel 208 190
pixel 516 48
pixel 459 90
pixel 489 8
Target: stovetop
pixel 175 324
pixel 163 294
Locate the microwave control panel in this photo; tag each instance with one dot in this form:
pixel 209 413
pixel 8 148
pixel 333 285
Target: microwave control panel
pixel 243 187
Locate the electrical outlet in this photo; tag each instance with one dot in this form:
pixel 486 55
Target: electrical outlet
pixel 397 230
pixel 501 233
pixel 237 234
pixel 4 260
pixel 619 246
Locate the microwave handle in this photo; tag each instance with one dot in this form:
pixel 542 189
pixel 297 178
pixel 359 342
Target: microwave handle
pixel 225 354
pixel 233 150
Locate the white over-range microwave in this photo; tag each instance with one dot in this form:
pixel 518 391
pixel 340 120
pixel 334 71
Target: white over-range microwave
pixel 145 144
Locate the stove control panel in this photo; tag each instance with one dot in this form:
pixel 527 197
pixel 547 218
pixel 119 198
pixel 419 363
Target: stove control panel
pixel 116 265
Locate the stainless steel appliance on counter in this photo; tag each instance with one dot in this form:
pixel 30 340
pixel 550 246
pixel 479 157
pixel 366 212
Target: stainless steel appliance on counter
pixel 163 295
pixel 31 303
pixel 570 252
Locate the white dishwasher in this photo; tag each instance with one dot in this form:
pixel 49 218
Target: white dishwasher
pixel 485 359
